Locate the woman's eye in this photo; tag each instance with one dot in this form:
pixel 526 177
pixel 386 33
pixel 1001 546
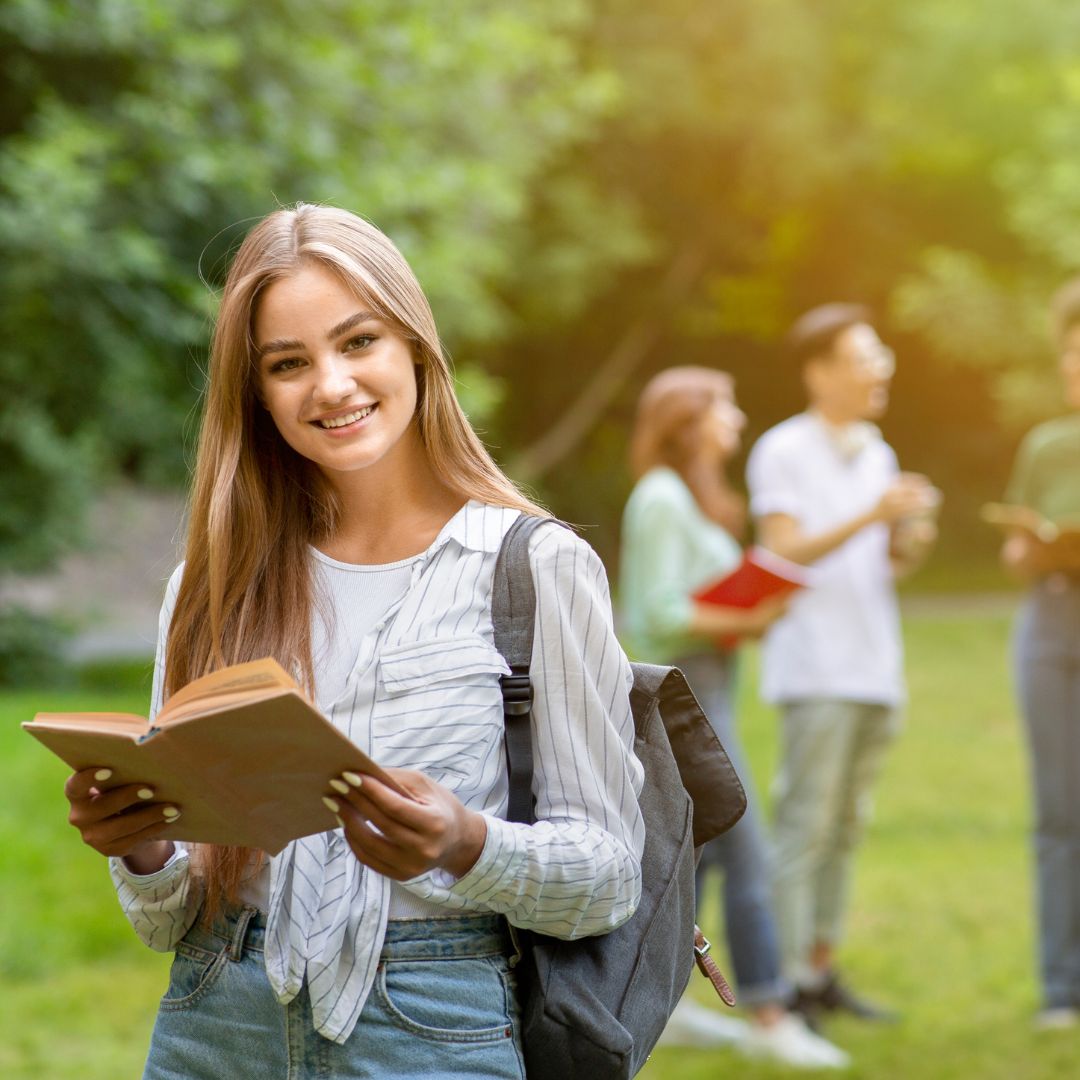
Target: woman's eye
pixel 285 364
pixel 361 341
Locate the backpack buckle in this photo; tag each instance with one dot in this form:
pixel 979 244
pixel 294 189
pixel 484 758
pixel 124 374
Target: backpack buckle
pixel 517 693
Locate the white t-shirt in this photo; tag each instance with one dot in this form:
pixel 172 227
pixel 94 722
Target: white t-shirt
pixel 840 638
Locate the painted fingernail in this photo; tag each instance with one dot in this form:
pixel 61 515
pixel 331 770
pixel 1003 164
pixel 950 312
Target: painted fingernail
pixel 145 793
pixel 103 774
pixel 340 787
pixel 170 813
pixel 352 778
pixel 331 804
pixel 341 824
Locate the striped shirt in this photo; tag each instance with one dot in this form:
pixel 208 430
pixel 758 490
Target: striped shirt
pixel 424 693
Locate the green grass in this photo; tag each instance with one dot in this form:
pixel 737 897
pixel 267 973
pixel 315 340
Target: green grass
pixel 941 917
pixel 940 926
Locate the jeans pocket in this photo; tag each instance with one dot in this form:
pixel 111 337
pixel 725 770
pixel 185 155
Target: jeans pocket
pixel 468 1000
pixel 194 971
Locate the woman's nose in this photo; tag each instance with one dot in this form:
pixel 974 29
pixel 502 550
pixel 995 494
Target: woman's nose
pixel 334 380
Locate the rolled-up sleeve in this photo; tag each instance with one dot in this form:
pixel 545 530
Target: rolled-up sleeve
pixel 577 870
pixel 161 906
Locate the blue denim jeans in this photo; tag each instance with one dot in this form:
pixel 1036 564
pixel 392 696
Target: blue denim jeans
pixel 741 854
pixel 444 1004
pixel 1047 653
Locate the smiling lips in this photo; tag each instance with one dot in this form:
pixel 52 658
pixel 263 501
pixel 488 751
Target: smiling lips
pixel 348 418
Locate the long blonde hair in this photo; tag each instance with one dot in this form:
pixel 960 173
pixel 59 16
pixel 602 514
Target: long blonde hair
pixel 669 410
pixel 256 505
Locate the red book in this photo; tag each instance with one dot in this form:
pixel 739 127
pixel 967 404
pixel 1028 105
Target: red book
pixel 761 575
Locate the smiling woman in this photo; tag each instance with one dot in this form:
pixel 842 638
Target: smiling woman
pixel 343 394
pixel 346 520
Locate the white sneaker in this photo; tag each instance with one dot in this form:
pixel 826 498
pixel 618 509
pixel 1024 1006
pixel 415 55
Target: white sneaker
pixel 1057 1018
pixel 790 1041
pixel 692 1024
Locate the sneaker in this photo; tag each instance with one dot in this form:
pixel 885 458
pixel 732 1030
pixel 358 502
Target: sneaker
pixel 834 996
pixel 806 1004
pixel 692 1024
pixel 1057 1018
pixel 791 1042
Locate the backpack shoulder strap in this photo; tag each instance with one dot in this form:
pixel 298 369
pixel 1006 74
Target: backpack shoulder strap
pixel 513 614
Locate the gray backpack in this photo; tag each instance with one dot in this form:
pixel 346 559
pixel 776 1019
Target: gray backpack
pixel 595 1007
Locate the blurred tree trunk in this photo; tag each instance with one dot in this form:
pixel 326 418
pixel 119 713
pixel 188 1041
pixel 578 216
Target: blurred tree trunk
pixel 639 339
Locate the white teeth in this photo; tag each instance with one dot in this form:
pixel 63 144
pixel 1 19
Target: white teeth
pixel 349 418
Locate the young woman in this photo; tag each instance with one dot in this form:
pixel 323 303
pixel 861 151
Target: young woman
pixel 1047 652
pixel 680 531
pixel 345 520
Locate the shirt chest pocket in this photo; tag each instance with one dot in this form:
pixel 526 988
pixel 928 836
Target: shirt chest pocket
pixel 439 705
pixel 418 666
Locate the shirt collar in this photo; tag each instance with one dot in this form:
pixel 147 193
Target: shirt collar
pixel 849 440
pixel 476 527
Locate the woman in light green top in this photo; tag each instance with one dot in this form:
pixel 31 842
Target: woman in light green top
pixel 680 530
pixel 1046 478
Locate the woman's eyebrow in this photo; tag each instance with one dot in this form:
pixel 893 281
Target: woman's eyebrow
pixel 349 323
pixel 286 344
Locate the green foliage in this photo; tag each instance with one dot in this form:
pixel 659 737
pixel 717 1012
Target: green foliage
pixel 32 649
pixel 138 140
pixel 542 163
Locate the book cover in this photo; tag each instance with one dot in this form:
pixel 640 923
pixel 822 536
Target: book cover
pixel 242 752
pixel 761 574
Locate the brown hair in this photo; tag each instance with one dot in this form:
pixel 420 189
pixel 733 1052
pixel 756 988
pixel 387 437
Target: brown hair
pixel 668 411
pixel 256 504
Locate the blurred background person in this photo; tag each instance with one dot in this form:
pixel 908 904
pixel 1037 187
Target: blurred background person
pixel 680 531
pixel 825 489
pixel 1046 479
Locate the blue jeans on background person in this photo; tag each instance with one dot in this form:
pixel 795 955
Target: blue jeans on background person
pixel 444 1004
pixel 741 854
pixel 1047 653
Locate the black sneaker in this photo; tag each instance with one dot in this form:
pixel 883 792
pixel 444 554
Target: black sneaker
pixel 834 996
pixel 807 1004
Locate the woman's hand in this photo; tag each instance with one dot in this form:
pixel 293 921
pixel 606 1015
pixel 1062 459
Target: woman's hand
pixel 761 616
pixel 120 821
pixel 402 837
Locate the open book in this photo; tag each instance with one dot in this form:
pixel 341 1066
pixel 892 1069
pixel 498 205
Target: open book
pixel 1024 518
pixel 242 753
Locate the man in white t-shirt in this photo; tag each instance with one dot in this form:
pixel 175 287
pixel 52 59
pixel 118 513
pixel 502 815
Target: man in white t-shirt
pixel 825 490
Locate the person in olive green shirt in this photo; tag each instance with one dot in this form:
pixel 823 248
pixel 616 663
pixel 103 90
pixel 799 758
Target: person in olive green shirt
pixel 1046 479
pixel 680 530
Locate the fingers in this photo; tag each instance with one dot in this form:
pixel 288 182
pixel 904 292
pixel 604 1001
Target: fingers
pixel 81 785
pixel 375 851
pixel 114 820
pixel 118 834
pixel 107 803
pixel 370 796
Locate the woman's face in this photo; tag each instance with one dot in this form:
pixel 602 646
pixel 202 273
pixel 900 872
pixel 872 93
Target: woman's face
pixel 721 426
pixel 1069 365
pixel 338 382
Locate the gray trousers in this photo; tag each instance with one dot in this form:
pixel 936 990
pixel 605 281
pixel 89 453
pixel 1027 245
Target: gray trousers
pixel 1048 678
pixel 830 755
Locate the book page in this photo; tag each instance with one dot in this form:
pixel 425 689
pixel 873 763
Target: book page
pixel 118 723
pixel 253 677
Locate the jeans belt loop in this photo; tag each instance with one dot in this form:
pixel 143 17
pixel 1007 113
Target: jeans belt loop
pixel 235 949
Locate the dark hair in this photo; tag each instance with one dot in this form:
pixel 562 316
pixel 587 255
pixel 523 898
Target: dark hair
pixel 1065 308
pixel 813 333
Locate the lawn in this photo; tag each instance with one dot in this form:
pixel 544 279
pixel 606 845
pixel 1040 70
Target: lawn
pixel 941 923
